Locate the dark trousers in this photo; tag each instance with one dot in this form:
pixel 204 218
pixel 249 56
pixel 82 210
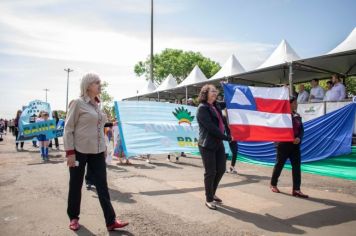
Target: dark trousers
pixel 214 162
pixel 89 177
pixel 16 134
pixel 285 151
pixel 233 148
pixel 96 164
pixel 55 141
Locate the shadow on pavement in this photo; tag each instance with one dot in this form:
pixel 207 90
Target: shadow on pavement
pixel 265 222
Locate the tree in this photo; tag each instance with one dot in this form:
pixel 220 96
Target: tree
pixel 176 62
pixel 350 83
pixel 106 101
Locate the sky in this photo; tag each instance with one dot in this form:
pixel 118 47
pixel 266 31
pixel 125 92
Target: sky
pixel 40 38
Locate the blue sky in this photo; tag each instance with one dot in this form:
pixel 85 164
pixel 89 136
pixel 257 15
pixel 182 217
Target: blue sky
pixel 39 38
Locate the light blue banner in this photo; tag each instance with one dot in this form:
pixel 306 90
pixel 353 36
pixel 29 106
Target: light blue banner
pixel 157 128
pixel 29 129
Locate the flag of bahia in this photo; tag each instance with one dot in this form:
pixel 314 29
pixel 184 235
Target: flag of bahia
pixel 258 113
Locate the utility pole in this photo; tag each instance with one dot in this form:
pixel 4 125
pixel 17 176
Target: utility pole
pixel 68 71
pixel 46 90
pixel 151 60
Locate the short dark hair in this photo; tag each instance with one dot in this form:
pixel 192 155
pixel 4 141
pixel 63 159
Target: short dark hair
pixel 329 82
pixel 203 95
pixel 316 80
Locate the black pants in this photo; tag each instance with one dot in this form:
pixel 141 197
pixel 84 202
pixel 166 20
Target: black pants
pixel 233 148
pixel 55 141
pixel 16 134
pixel 96 164
pixel 285 151
pixel 214 162
pixel 89 177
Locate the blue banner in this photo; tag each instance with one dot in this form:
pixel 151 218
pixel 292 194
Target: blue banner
pixel 30 129
pixel 327 136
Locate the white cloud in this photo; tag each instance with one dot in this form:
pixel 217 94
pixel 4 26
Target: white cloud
pixel 43 45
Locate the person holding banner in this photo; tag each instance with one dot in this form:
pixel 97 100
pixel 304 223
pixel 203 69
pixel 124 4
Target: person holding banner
pixel 43 140
pixel 290 150
pixel 210 143
pixel 84 143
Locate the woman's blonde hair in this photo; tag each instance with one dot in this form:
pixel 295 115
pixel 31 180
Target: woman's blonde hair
pixel 86 81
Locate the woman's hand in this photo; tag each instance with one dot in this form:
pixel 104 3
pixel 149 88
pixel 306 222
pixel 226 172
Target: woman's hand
pixel 71 160
pixel 296 141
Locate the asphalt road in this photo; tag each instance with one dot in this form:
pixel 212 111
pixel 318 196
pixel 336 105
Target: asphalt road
pixel 167 198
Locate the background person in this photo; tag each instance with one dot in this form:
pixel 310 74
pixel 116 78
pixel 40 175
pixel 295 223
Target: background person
pixel 329 86
pixel 303 95
pixel 16 125
pixel 338 91
pixel 316 93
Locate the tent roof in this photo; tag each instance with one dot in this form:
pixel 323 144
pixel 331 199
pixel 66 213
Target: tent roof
pixel 343 63
pixel 348 44
pixel 283 53
pixel 168 83
pixel 195 76
pixel 147 88
pixel 231 67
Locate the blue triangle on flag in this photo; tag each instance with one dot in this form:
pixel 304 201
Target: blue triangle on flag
pixel 239 97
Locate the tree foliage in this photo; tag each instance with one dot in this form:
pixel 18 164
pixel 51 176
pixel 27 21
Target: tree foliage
pixel 176 62
pixel 107 101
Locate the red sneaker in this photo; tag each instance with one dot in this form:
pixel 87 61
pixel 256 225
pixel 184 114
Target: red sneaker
pixel 274 189
pixel 74 224
pixel 117 225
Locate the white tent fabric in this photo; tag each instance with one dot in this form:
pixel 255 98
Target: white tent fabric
pixel 168 83
pixel 348 44
pixel 149 87
pixel 283 53
pixel 195 76
pixel 231 67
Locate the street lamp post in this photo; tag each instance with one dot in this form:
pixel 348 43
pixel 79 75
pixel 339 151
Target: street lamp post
pixel 46 90
pixel 151 56
pixel 68 71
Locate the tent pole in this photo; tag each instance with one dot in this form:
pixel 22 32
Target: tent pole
pixel 158 95
pixel 186 95
pixel 291 79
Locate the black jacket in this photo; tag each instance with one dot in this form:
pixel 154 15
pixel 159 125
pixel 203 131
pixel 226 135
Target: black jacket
pixel 210 135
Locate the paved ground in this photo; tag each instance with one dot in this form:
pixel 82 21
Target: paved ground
pixel 167 198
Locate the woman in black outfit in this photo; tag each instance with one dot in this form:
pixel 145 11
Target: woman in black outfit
pixel 211 147
pixel 16 123
pixel 291 151
pixel 56 118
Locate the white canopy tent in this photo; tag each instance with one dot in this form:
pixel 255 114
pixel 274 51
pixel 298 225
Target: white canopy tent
pixel 149 87
pixel 231 67
pixel 283 53
pixel 348 44
pixel 169 83
pixel 196 76
pixel 283 66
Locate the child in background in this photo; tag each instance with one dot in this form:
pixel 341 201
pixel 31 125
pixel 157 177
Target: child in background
pixel 42 139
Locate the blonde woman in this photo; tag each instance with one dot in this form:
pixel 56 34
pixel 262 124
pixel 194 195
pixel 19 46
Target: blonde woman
pixel 84 143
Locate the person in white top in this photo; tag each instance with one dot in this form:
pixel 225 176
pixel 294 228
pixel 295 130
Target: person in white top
pixel 338 92
pixel 317 92
pixel 302 95
pixel 329 86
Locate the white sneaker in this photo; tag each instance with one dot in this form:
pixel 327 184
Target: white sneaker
pixel 233 170
pixel 148 161
pixel 210 205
